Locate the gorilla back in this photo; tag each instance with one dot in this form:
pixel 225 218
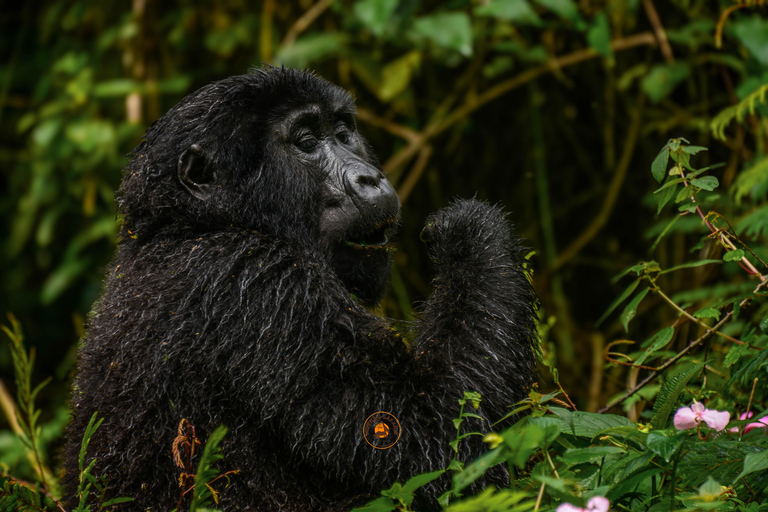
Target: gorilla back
pixel 256 230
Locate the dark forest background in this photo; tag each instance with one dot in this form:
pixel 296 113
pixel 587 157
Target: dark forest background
pixel 553 108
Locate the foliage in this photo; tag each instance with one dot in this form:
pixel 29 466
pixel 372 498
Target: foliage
pixel 607 81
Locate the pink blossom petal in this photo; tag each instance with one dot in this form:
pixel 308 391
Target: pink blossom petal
pixel 685 418
pixel 746 415
pixel 567 507
pixel 761 423
pixel 598 504
pixel 698 408
pixel 716 419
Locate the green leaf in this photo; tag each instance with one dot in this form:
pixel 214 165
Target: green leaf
pixel 660 339
pixel 516 11
pixel 397 75
pixel 629 290
pixel 734 255
pixel 631 309
pixel 448 30
pixel 665 445
pixel 312 47
pixel 420 480
pixel 663 78
pixel 383 504
pixel 599 35
pixel 707 183
pixel 478 468
pixel 626 485
pixel 566 9
pixel 708 313
pixel 690 264
pixel 692 150
pixel 588 424
pixel 752 31
pixel 659 165
pixel 201 495
pixel 753 462
pixel 376 15
pixel 669 393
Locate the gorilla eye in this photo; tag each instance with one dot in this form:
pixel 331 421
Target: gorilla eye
pixel 307 143
pixel 343 134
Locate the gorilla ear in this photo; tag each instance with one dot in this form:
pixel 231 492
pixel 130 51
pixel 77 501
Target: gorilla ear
pixel 196 173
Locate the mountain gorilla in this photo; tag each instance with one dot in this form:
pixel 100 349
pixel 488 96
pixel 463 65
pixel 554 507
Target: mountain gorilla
pixel 257 230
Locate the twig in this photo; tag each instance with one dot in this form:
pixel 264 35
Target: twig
pixel 438 126
pixel 658 29
pixel 698 321
pixel 304 21
pixel 399 130
pixel 678 356
pixel 416 171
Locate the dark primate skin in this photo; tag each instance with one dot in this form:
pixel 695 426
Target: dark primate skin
pixel 256 234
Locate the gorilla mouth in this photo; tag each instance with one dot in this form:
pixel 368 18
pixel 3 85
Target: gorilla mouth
pixel 375 239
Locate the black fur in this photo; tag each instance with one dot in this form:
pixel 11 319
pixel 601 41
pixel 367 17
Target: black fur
pixel 230 311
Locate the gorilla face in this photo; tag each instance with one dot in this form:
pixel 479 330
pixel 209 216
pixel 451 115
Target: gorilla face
pixel 315 147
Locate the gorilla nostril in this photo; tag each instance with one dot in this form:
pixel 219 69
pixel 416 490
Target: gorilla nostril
pixel 369 181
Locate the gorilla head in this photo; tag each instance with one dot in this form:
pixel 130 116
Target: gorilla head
pixel 305 146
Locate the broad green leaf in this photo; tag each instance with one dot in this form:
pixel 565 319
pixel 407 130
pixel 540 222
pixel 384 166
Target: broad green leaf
pixel 631 309
pixel 753 462
pixel 708 313
pixel 565 9
pixel 670 183
pixel 657 342
pixel 556 483
pixel 522 443
pixel 629 290
pixel 420 480
pixel 312 47
pixel 477 468
pixel 692 150
pixel 670 391
pixel 376 15
pixel 663 78
pixel 382 504
pixel 626 485
pixel 659 165
pixel 448 30
pixel 685 193
pixel 735 255
pixel 660 339
pixel 665 445
pixel 752 31
pixel 396 75
pixel 599 35
pixel 516 11
pixel 588 424
pixel 707 183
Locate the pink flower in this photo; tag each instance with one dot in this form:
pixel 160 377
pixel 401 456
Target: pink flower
pixel 761 423
pixel 596 504
pixel 690 417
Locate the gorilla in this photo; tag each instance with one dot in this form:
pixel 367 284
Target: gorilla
pixel 256 238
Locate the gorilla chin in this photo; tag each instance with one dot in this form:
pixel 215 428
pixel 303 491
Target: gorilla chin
pixel 363 260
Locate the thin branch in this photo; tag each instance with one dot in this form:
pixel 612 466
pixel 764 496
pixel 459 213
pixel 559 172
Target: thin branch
pixel 399 130
pixel 658 29
pixel 678 356
pixel 698 321
pixel 416 171
pixel 305 20
pixel 437 126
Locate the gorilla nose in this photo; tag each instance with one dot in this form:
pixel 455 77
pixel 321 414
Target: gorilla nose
pixel 368 184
